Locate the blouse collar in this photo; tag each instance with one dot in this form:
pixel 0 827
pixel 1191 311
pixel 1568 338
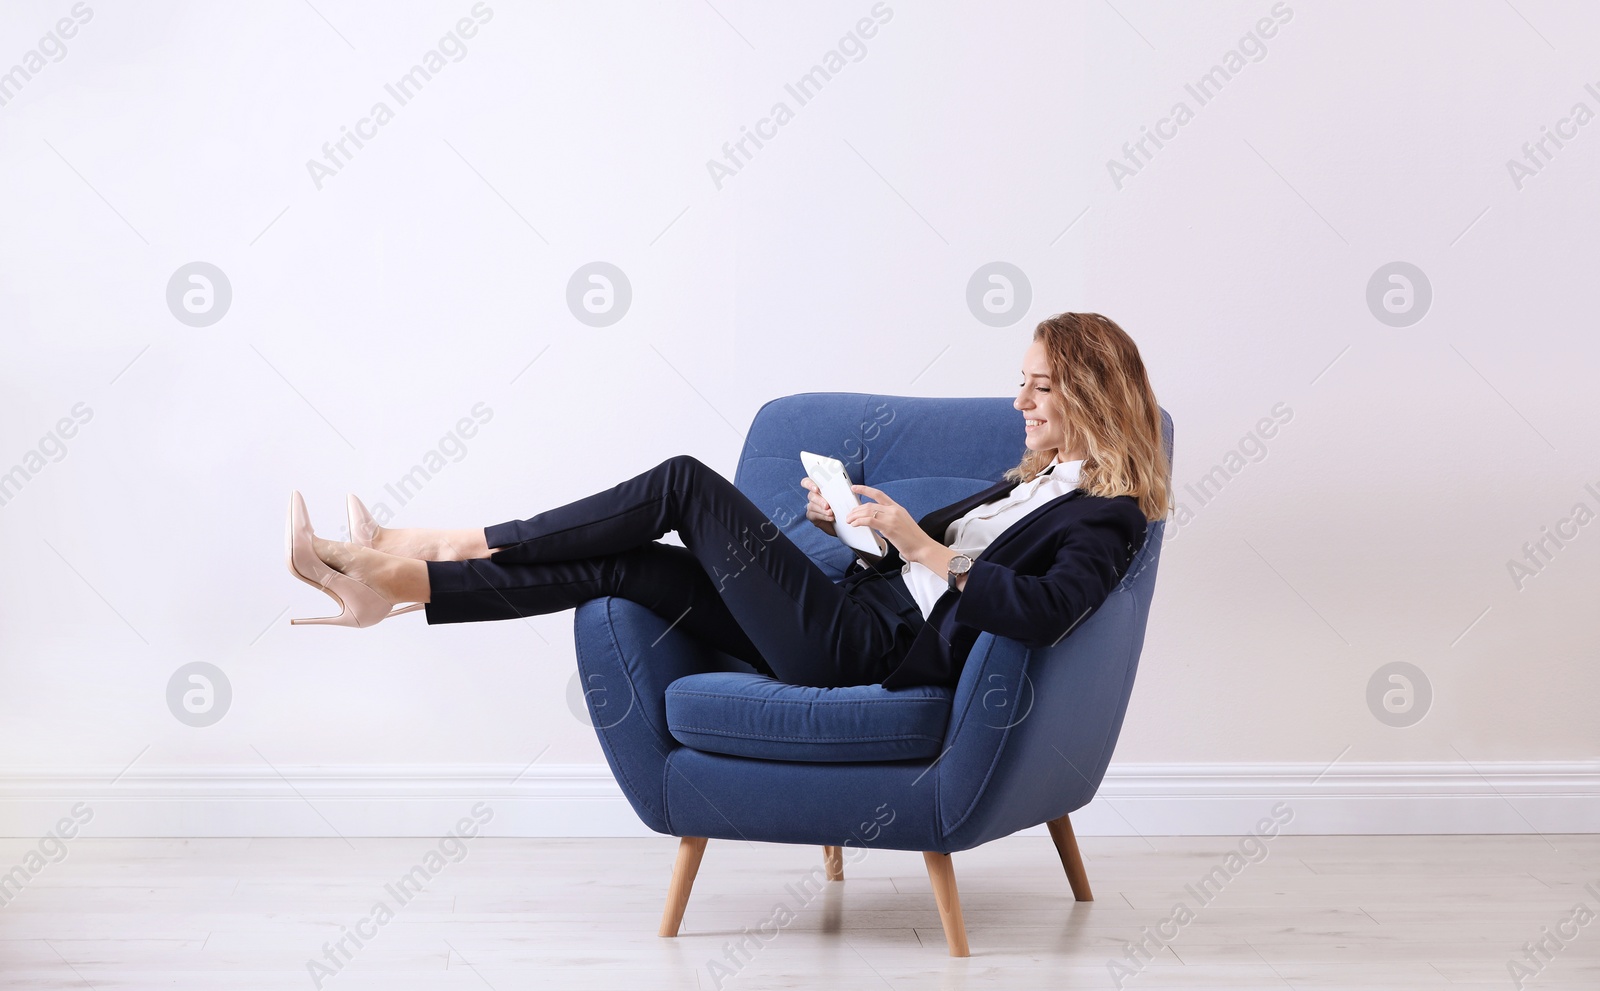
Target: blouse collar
pixel 1070 469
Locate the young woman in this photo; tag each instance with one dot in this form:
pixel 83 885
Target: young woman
pixel 1029 557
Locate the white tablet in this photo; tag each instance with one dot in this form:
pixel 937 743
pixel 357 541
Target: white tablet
pixel 834 482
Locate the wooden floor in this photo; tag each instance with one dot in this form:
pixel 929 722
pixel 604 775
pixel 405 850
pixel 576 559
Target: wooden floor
pixel 1318 912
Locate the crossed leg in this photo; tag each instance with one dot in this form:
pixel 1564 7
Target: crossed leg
pixel 752 592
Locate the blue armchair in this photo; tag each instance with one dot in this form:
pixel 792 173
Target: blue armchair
pixel 704 746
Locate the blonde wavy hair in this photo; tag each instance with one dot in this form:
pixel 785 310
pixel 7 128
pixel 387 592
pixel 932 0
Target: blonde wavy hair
pixel 1102 394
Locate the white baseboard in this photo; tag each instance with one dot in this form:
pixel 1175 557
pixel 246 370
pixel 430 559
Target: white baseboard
pixel 583 800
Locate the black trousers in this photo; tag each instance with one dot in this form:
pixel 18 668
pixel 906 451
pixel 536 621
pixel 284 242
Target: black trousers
pixel 739 583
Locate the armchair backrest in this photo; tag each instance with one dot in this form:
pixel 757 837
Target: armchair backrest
pixel 923 452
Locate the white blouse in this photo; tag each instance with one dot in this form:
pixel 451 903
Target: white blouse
pixel 971 533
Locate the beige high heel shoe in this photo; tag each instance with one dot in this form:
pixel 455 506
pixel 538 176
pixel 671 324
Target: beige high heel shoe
pixel 363 528
pixel 359 604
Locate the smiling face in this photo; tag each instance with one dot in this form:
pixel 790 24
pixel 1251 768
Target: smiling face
pixel 1036 400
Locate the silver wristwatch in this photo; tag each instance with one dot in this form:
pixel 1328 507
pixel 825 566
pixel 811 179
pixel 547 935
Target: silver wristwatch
pixel 959 565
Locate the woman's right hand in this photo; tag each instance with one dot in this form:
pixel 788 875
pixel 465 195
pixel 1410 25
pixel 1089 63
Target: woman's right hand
pixel 817 510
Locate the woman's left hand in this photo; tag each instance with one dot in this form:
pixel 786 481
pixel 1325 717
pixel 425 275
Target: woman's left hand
pixel 890 519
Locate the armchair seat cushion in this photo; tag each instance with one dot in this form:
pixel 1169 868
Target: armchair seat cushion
pixel 754 715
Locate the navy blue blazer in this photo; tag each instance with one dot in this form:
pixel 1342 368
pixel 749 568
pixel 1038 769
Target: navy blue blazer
pixel 1036 581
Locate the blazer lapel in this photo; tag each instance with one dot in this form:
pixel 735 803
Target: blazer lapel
pixel 936 522
pixel 1011 532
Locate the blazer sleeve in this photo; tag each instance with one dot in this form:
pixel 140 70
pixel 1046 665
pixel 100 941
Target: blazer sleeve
pixel 1038 610
pixel 890 561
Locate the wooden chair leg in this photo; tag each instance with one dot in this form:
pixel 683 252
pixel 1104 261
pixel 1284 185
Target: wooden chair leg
pixel 943 876
pixel 690 850
pixel 833 857
pixel 1067 847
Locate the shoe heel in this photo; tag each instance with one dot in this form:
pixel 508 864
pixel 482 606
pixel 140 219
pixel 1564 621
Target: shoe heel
pixel 348 618
pixel 343 619
pixel 359 604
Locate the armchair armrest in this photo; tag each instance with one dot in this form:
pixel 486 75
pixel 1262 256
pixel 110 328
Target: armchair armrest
pixel 1031 731
pixel 627 656
pixel 992 697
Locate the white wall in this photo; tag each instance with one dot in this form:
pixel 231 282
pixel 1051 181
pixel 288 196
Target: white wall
pixel 369 316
